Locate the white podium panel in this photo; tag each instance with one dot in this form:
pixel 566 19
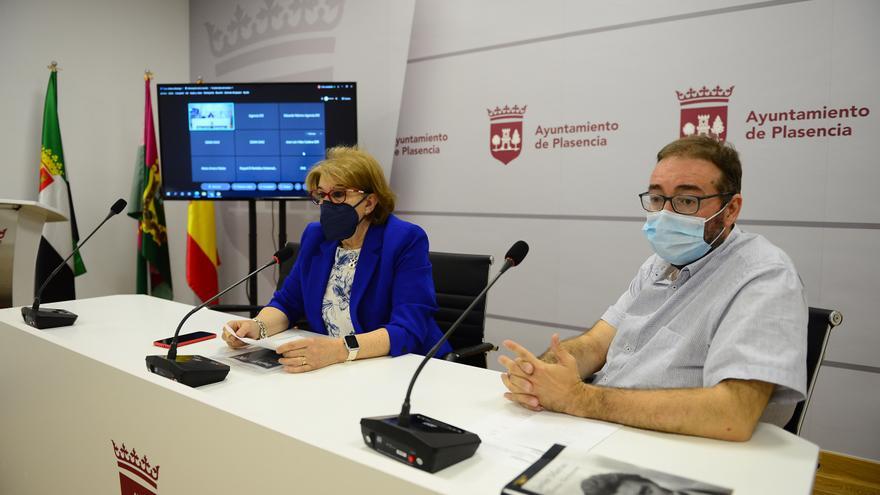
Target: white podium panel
pixel 21 225
pixel 72 396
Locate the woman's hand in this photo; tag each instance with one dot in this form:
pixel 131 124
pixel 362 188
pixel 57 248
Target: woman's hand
pixel 310 354
pixel 242 328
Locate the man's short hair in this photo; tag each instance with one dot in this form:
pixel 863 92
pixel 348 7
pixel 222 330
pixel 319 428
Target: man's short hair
pixel 720 153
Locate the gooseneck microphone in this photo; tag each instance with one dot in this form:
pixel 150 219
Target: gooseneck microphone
pixel 52 318
pixel 419 440
pixel 196 371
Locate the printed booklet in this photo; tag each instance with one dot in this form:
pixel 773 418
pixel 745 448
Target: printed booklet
pixel 577 472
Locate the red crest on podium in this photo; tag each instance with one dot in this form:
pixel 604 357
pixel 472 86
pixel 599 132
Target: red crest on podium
pixel 136 475
pixel 505 132
pixel 704 112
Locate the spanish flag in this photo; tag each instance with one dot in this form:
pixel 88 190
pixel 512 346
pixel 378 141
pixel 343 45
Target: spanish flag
pixel 201 249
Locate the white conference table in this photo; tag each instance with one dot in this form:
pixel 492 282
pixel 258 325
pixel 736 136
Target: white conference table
pixel 68 392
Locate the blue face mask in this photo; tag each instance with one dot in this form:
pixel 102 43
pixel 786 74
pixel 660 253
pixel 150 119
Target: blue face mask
pixel 339 221
pixel 678 239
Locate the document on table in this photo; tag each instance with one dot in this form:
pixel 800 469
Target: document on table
pixel 522 436
pixel 574 471
pixel 273 342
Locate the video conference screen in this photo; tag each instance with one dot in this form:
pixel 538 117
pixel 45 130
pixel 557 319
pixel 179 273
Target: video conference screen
pixel 249 140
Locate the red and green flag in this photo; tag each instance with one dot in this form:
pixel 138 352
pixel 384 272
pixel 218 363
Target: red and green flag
pixel 59 238
pixel 153 265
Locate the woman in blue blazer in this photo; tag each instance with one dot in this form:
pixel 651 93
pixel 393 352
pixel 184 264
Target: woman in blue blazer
pixel 362 275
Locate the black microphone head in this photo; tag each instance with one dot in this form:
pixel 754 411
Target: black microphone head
pixel 118 206
pixel 517 252
pixel 284 253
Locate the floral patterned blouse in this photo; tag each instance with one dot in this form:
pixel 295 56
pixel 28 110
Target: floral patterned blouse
pixel 335 307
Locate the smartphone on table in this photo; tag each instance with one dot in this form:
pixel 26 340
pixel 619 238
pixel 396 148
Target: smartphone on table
pixel 187 338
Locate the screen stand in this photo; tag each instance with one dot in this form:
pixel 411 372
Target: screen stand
pixel 282 222
pixel 252 256
pixel 252 306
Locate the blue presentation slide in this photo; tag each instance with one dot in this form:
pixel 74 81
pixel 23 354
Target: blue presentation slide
pixel 213 168
pixel 295 168
pixel 257 143
pixel 257 169
pixel 256 116
pixel 255 146
pixel 302 115
pixel 303 143
pixel 212 143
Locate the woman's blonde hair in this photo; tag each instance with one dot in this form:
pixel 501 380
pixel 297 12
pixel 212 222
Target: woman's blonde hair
pixel 355 168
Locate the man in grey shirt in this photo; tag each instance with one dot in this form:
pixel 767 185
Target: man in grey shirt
pixel 709 338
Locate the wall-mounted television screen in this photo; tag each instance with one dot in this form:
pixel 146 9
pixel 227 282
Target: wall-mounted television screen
pixel 249 140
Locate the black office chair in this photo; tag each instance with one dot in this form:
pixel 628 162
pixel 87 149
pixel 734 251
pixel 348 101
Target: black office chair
pixel 819 326
pixel 457 279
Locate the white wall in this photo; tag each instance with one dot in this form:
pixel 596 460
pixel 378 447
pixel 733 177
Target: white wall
pixel 369 43
pixel 102 48
pixel 573 62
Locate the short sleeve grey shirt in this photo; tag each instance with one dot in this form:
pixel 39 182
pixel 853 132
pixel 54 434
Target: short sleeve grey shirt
pixel 737 313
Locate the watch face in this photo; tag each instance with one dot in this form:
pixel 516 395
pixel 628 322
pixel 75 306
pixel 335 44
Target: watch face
pixel 351 342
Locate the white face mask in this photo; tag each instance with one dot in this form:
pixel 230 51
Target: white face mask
pixel 679 239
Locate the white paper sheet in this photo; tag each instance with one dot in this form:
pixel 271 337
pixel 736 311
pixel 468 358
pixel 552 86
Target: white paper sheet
pixel 523 435
pixel 276 340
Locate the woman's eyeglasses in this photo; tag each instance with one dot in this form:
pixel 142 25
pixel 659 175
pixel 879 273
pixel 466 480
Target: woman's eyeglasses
pixel 335 196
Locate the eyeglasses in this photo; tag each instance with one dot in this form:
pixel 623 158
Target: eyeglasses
pixel 685 204
pixel 336 196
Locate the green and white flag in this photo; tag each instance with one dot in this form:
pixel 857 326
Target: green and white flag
pixel 59 238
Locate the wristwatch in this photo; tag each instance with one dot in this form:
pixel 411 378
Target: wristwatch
pixel 263 328
pixel 351 343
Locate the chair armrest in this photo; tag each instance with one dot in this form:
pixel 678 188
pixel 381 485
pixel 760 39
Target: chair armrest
pixel 466 352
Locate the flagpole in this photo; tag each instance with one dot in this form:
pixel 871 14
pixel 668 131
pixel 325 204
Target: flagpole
pixel 202 258
pixel 154 266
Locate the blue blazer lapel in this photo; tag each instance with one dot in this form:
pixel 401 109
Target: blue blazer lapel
pixel 366 265
pixel 316 283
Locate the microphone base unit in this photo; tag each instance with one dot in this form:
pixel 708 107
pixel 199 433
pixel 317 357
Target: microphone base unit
pixel 193 371
pixel 426 443
pixel 47 318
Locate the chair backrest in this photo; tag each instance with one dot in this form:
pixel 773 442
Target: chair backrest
pixel 285 267
pixel 458 278
pixel 819 326
pixel 283 272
